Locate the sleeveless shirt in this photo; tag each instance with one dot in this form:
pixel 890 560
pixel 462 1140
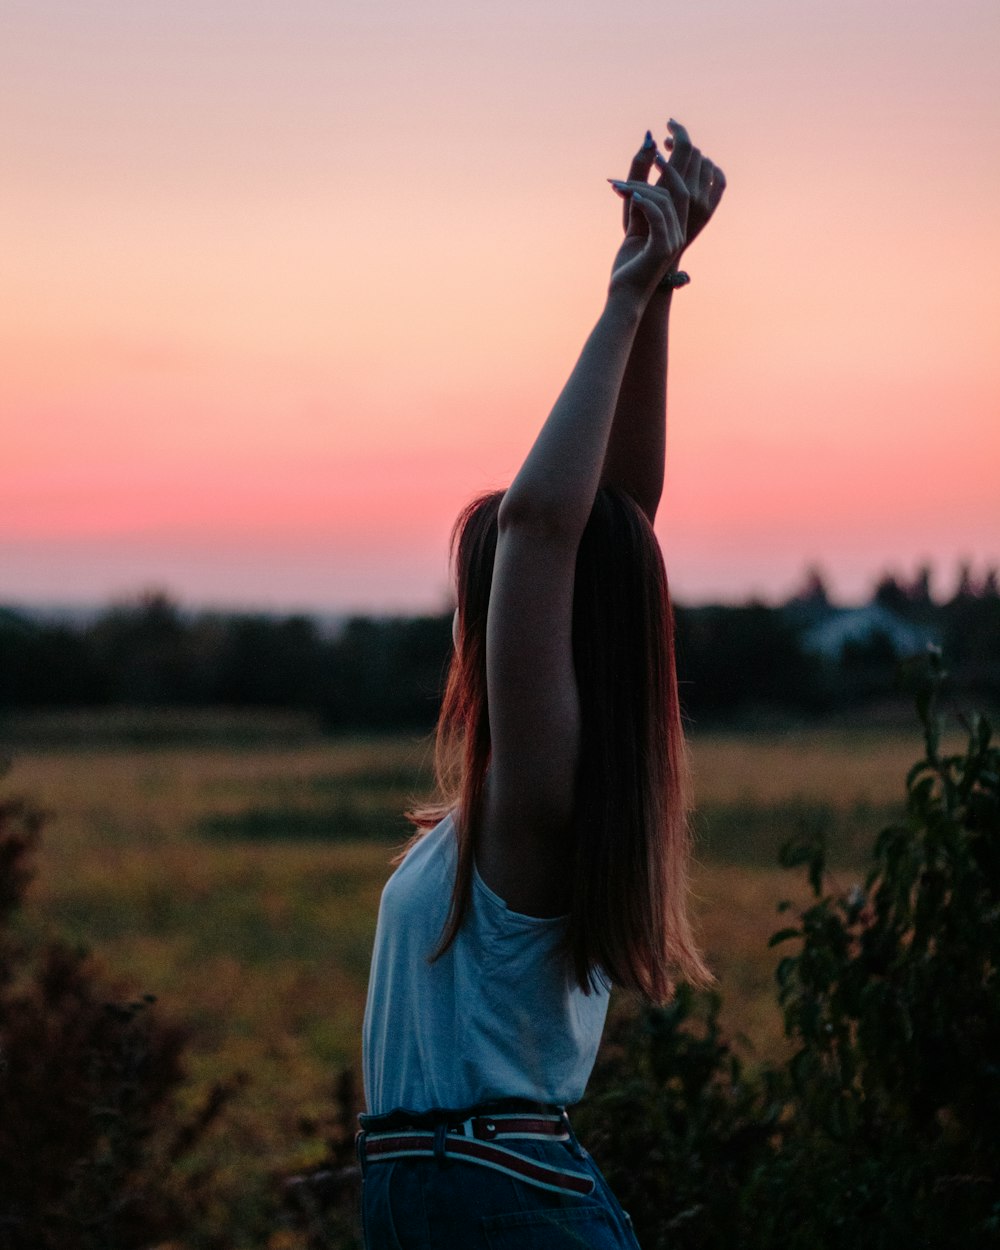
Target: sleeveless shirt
pixel 499 1015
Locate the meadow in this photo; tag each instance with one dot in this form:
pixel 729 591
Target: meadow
pixel 232 867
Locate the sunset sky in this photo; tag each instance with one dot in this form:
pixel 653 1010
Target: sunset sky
pixel 284 284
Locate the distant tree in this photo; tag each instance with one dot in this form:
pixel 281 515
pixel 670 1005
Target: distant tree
pixel 965 587
pixel 733 660
pixel 267 663
pixel 972 636
pixel 919 590
pixel 814 591
pixel 891 594
pixel 388 673
pixel 140 647
pixel 46 665
pixel 906 598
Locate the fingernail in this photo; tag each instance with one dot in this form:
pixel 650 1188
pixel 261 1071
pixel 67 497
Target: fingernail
pixel 671 123
pixel 661 160
pixel 648 142
pixel 618 184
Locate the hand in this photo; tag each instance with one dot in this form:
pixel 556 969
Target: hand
pixel 655 229
pixel 704 181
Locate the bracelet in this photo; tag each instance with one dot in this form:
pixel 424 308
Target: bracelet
pixel 674 279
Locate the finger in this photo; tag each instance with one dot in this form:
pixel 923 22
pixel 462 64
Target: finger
pixel 642 163
pixel 632 224
pixel 692 174
pixel 671 189
pixel 671 181
pixel 706 176
pixel 652 214
pixel 643 160
pixel 670 175
pixel 668 191
pixel 716 189
pixel 665 233
pixel 681 154
pixel 670 185
pixel 628 186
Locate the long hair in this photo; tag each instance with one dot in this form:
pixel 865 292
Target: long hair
pixel 630 837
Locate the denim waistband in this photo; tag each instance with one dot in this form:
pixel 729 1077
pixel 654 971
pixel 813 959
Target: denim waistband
pixel 404 1117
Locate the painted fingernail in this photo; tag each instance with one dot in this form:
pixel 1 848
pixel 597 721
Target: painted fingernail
pixel 661 160
pixel 648 142
pixel 618 184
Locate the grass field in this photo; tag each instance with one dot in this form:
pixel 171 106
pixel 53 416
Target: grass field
pixel 237 878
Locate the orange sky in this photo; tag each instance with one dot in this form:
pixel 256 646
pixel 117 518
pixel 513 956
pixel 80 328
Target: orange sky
pixel 284 285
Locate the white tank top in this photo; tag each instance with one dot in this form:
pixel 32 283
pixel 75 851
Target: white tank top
pixel 499 1015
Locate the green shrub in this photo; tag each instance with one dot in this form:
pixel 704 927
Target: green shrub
pixel 675 1123
pixel 92 1150
pixel 893 999
pixel 882 1129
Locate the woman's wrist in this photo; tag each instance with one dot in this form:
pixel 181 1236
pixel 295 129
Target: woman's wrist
pixel 626 303
pixel 661 298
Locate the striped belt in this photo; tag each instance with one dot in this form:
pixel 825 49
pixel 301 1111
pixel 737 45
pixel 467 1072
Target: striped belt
pixel 476 1140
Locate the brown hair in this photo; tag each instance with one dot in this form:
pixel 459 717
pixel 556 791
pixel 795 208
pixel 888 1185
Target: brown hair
pixel 630 839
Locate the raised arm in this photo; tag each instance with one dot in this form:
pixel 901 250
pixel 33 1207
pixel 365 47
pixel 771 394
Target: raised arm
pixel 637 443
pixel 532 694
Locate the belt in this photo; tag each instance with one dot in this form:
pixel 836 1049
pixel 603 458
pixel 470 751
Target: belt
pixel 475 1140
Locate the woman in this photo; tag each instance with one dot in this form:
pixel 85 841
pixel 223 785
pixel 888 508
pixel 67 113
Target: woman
pixel 553 865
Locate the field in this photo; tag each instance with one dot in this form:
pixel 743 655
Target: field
pixel 233 869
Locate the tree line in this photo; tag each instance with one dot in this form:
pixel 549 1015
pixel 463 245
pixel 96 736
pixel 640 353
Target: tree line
pixel 387 673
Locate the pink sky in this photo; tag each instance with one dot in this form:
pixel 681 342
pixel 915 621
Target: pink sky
pixel 284 285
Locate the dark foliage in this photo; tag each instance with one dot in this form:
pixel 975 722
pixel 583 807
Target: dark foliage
pixel 894 1001
pixel 745 659
pixel 47 665
pixel 324 1204
pixel 881 1131
pixel 734 663
pixel 375 674
pixel 261 663
pixel 91 1146
pixel 386 673
pixel 676 1124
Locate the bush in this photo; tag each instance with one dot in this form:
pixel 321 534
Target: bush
pixel 91 1148
pixel 881 1130
pixel 894 1001
pixel 675 1123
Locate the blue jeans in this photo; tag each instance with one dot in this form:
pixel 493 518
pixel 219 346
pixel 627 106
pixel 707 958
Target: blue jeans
pixel 454 1204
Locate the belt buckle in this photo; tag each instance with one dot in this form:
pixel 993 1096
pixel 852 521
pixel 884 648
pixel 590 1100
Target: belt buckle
pixel 489 1128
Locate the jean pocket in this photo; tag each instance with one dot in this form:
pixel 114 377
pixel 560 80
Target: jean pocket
pixel 559 1228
